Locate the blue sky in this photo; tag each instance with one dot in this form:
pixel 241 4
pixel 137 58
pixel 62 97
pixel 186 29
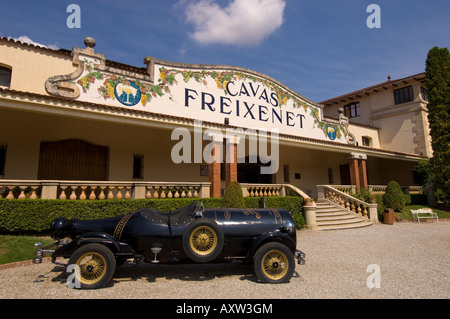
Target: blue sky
pixel 320 49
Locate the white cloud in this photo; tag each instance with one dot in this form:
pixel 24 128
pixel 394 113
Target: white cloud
pixel 27 40
pixel 242 22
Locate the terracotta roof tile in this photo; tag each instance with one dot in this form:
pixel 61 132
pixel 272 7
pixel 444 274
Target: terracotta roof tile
pixel 371 88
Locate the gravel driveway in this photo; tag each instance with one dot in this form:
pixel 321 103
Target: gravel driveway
pixel 412 261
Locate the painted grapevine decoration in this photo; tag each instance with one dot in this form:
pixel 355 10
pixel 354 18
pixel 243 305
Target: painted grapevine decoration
pixel 89 78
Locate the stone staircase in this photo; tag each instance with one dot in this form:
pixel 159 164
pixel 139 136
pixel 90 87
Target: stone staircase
pixel 330 216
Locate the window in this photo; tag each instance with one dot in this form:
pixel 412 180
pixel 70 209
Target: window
pixel 366 141
pixel 5 76
pixel 286 174
pixel 138 166
pixel 2 159
pixel 404 95
pixel 424 93
pixel 352 110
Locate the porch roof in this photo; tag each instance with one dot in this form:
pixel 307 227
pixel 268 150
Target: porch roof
pixel 55 104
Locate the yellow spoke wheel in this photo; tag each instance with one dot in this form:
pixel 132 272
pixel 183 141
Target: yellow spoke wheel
pixel 274 263
pixel 203 240
pixel 93 267
pixel 96 265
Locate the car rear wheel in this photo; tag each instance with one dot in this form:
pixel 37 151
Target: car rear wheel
pixel 274 263
pixel 95 265
pixel 203 240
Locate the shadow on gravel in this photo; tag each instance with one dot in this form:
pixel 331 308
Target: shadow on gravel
pixel 183 272
pixel 152 272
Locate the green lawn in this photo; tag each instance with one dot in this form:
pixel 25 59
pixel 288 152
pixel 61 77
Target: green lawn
pixel 406 213
pixel 19 248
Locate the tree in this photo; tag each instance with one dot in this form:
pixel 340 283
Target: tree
pixel 233 197
pixel 393 196
pixel 437 75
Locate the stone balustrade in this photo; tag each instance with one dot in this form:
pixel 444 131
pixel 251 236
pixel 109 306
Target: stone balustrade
pixel 92 190
pixel 377 189
pixel 22 189
pixel 347 201
pixel 262 190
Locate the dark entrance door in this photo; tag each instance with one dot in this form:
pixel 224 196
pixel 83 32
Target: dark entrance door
pixel 72 160
pixel 344 171
pixel 251 173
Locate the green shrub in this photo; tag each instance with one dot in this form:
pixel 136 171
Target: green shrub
pixel 380 207
pixel 363 194
pixel 393 197
pixel 233 197
pixel 407 198
pixel 419 199
pixel 293 204
pixel 299 220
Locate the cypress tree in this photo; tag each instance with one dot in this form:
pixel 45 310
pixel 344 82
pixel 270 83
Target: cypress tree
pixel 438 83
pixel 233 197
pixel 393 197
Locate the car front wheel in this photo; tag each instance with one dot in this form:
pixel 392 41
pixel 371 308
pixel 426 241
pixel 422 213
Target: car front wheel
pixel 92 266
pixel 274 263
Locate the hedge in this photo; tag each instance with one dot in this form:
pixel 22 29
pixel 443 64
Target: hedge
pixel 36 215
pixel 416 199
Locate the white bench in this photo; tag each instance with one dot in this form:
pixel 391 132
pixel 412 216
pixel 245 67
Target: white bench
pixel 426 213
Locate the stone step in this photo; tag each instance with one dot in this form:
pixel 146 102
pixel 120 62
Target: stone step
pixel 330 216
pixel 341 221
pixel 328 209
pixel 338 218
pixel 344 226
pixel 331 213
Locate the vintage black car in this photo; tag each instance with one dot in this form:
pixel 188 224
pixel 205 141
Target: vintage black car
pixel 266 237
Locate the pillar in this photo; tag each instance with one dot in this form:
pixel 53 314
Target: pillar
pixel 358 170
pixel 363 173
pixel 354 173
pixel 214 173
pixel 231 163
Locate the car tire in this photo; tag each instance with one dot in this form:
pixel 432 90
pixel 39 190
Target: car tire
pixel 203 240
pixel 274 263
pixel 95 265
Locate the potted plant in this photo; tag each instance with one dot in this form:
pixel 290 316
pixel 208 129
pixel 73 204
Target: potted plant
pixel 309 201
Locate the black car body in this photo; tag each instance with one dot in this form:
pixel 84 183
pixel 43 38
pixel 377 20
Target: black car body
pixel 266 237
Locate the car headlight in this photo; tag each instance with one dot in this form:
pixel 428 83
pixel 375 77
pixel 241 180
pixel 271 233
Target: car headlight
pixel 288 227
pixel 58 228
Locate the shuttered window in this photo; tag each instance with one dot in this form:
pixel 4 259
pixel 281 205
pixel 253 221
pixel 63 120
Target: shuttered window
pixel 73 160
